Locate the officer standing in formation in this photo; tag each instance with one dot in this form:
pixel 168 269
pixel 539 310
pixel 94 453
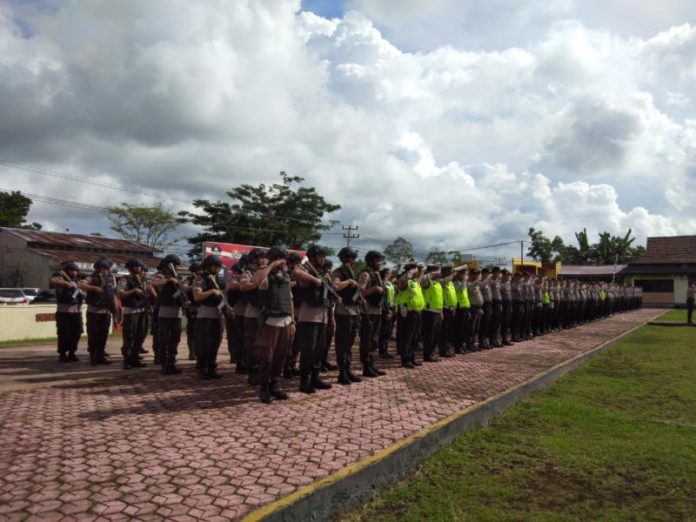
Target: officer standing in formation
pixel 272 302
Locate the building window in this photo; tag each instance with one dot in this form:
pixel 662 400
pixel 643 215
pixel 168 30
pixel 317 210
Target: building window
pixel 656 285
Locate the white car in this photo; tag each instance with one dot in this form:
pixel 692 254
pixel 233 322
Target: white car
pixel 31 293
pixel 12 296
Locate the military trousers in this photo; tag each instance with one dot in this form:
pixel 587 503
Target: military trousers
pixel 311 338
pixel 69 329
pixel 407 327
pixel 461 328
pixel 689 309
pixel 494 323
pixel 431 329
pixel 208 338
pixel 234 328
pixel 98 325
pixel 483 331
pixel 474 326
pixel 251 328
pixel 169 336
pixel 191 330
pixel 134 334
pixel 272 346
pixel 505 320
pixel 446 336
pixel 346 332
pixel 328 341
pixel 369 337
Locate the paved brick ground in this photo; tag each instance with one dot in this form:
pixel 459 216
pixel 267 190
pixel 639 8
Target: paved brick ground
pixel 150 447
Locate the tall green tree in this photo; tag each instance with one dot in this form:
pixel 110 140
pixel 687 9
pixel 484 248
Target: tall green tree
pixel 438 257
pixel 399 251
pixel 262 215
pixel 153 226
pixel 14 207
pixel 540 246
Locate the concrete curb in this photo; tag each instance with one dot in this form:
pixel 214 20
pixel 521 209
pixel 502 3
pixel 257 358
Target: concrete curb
pixel 363 480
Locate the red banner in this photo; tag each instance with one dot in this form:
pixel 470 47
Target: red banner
pixel 230 253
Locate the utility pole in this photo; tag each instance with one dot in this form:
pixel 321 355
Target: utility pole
pixel 349 235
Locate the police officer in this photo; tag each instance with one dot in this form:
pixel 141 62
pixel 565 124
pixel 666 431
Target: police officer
pixel 326 366
pixel 135 297
pixel 290 370
pixel 477 302
pixel 347 315
pixel 518 307
pixel 431 326
pixel 191 311
pixel 449 305
pixel 486 308
pixel 462 313
pixel 409 303
pixel 171 296
pixel 277 322
pixel 496 307
pixel 690 296
pixel 68 310
pixel 100 288
pixel 207 292
pixel 234 322
pixel 250 296
pixel 387 323
pixel 312 318
pixel 371 286
pixel 506 307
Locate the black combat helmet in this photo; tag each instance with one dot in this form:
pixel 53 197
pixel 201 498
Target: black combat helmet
pixel 194 267
pixel 102 263
pixel 169 259
pixel 328 264
pixel 211 261
pixel 277 252
pixel 294 258
pixel 347 253
pixel 70 265
pixel 372 255
pixel 133 263
pixel 255 254
pixel 315 250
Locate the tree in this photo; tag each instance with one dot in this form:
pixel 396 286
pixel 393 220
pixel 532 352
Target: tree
pixel 152 226
pixel 14 207
pixel 262 215
pixel 540 247
pixel 398 252
pixel 437 257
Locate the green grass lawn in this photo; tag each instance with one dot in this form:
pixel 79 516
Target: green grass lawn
pixel 614 440
pixel 674 315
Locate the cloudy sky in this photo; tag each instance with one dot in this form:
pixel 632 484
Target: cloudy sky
pixel 453 123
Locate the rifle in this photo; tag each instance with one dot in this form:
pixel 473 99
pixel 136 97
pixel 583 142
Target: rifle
pixel 358 298
pixel 327 286
pixel 78 291
pixel 180 292
pixel 224 306
pixel 143 289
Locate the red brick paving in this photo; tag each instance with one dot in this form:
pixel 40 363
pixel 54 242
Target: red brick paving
pixel 143 446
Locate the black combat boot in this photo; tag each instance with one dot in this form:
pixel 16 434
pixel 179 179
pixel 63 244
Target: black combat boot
pixel 276 392
pixel 306 386
pixel 318 383
pixel 265 395
pixel 368 371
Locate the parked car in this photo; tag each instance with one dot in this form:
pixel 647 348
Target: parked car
pixel 45 297
pixel 31 293
pixel 12 296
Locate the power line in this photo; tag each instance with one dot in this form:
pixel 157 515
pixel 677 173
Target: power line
pixel 349 235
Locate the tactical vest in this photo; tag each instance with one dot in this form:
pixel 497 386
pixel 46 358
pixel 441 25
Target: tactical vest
pixel 314 295
pixel 376 300
pixel 68 295
pixel 348 293
pixel 433 296
pixel 276 301
pixel 169 295
pixel 207 284
pixel 135 300
pixel 449 295
pixel 105 298
pixel 233 297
